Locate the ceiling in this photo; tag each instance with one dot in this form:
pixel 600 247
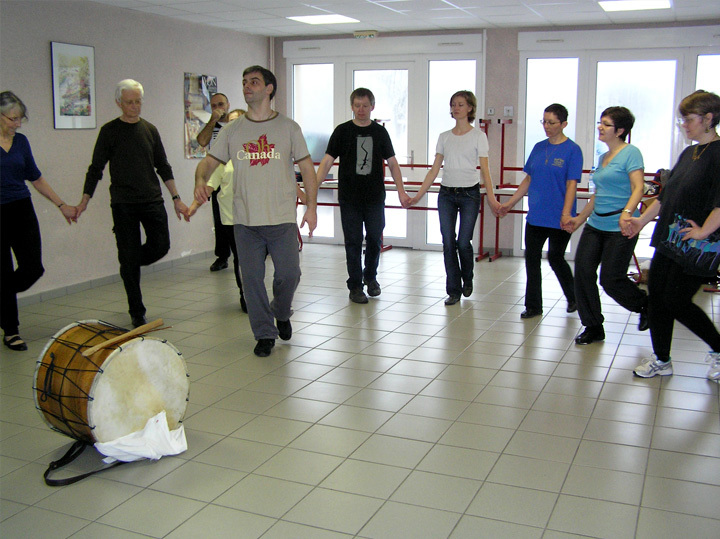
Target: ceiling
pixel 268 17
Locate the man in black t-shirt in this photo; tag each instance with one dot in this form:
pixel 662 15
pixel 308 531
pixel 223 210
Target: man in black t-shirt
pixel 362 145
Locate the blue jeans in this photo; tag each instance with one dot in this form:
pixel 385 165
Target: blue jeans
pixel 458 251
pixel 353 217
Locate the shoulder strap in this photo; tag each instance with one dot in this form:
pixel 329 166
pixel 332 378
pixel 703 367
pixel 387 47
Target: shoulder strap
pixel 74 452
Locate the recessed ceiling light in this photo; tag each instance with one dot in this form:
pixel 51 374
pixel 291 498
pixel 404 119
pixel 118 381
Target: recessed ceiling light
pixel 324 19
pixel 634 5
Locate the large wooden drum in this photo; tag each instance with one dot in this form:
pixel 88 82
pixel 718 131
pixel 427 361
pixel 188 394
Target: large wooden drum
pixel 113 392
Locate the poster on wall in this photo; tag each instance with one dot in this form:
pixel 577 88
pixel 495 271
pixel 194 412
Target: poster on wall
pixel 73 82
pixel 198 90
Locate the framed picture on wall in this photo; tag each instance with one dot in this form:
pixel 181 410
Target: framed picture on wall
pixel 73 81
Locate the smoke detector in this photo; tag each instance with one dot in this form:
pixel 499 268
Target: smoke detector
pixel 364 34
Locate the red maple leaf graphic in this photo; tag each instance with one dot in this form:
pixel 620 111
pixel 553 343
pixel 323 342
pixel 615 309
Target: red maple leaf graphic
pixel 260 149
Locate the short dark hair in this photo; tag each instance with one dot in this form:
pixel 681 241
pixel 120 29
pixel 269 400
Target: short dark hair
pixel 560 112
pixel 360 93
pixel 701 102
pixel 468 96
pixel 267 76
pixel 622 118
pixel 222 94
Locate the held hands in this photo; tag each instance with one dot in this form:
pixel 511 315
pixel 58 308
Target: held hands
pixel 503 210
pixel 405 200
pixel 181 210
pixel 310 218
pixel 571 224
pixel 494 206
pixel 202 193
pixel 70 213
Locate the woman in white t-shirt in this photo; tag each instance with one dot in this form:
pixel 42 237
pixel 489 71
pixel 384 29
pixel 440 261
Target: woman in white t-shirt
pixel 462 149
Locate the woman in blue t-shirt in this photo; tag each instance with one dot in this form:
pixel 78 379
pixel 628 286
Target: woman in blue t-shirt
pixel 619 185
pixel 19 229
pixel 551 175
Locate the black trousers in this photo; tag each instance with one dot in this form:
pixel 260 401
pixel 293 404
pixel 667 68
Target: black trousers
pixel 612 251
pixel 19 236
pixel 222 244
pixel 132 253
pixel 671 293
pixel 535 238
pixel 229 232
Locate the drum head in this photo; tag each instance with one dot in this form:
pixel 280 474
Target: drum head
pixel 139 380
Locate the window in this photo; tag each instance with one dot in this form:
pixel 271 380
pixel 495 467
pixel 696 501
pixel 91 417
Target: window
pixel 316 122
pixel 445 77
pixel 549 80
pixel 647 88
pixel 708 73
pixel 390 88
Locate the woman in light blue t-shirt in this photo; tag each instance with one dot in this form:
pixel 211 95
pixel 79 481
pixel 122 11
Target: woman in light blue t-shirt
pixel 619 184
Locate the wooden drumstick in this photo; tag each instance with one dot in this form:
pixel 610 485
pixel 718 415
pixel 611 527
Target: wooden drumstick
pixel 124 337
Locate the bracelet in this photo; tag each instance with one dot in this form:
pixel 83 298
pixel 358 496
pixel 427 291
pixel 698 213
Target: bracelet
pixel 176 197
pixel 625 210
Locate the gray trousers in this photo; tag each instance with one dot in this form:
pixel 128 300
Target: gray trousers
pixel 254 243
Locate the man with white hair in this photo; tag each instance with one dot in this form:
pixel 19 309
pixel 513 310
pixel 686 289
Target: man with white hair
pixel 136 154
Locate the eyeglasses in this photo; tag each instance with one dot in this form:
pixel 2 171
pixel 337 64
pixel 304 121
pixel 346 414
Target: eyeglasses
pixel 548 122
pixel 605 124
pixel 684 120
pixel 16 120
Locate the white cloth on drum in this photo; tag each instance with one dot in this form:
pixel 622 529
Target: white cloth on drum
pixel 154 441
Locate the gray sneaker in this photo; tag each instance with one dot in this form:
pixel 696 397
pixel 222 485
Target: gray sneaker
pixel 373 288
pixel 713 372
pixel 652 366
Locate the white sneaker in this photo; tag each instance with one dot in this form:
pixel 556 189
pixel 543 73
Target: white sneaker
pixel 713 372
pixel 652 366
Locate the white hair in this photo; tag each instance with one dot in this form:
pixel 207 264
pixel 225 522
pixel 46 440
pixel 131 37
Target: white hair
pixel 128 84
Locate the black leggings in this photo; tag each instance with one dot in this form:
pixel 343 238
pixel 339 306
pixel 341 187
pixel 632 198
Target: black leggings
pixel 671 293
pixel 19 235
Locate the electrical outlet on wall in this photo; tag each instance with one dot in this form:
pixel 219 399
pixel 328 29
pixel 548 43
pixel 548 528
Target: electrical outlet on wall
pixel 508 110
pixel 491 111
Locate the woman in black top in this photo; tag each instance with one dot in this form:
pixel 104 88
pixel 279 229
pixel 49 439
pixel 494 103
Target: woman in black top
pixel 685 238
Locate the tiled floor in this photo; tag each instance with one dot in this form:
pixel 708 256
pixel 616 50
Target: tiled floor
pixel 401 418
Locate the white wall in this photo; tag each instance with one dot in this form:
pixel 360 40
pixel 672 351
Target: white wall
pixel 154 50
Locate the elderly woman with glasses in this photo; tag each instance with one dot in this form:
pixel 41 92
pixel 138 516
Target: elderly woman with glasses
pixel 619 185
pixel 19 229
pixel 686 241
pixel 551 175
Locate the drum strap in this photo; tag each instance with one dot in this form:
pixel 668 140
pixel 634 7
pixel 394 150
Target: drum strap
pixel 74 452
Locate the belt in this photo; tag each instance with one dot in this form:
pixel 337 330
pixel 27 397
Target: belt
pixel 608 214
pixel 475 187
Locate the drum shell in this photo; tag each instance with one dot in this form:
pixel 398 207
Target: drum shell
pixel 108 395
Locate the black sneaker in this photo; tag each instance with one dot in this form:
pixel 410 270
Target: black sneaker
pixel 590 335
pixel 138 321
pixel 467 289
pixel 452 299
pixel 219 264
pixel 358 296
pixel 571 307
pixel 264 347
pixel 373 288
pixel 530 313
pixel 284 329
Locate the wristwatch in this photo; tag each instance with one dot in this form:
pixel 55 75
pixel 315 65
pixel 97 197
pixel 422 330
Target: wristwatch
pixel 176 197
